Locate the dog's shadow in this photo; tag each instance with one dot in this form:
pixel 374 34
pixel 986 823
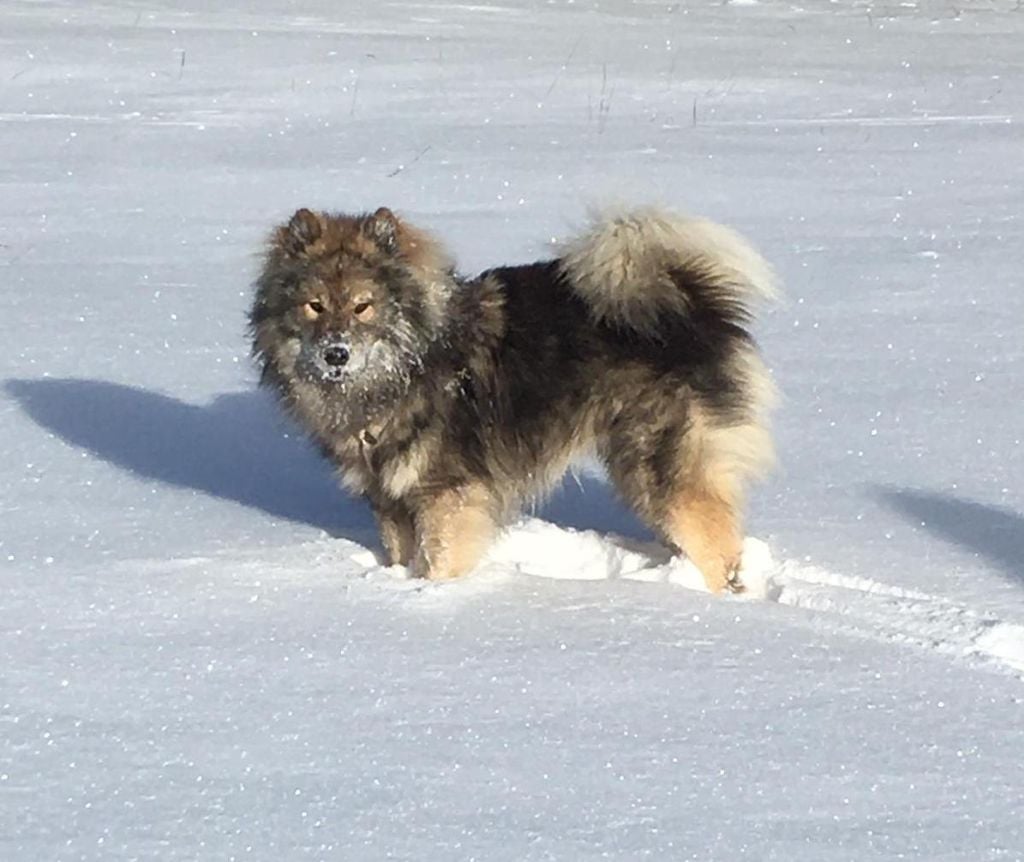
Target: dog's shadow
pixel 235 448
pixel 994 533
pixel 239 448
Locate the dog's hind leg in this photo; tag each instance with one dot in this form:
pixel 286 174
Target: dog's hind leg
pixel 705 525
pixel 453 530
pixel 683 479
pixel 701 521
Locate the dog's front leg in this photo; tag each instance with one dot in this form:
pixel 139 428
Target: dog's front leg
pixel 453 531
pixel 397 531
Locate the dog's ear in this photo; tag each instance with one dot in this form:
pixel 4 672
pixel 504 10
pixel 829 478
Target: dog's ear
pixel 303 230
pixel 382 227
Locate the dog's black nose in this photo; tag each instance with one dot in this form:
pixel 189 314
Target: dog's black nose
pixel 336 355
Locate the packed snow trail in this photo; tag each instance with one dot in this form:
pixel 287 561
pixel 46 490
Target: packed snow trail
pixel 842 603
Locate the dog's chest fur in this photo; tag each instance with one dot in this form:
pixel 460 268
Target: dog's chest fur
pixel 385 454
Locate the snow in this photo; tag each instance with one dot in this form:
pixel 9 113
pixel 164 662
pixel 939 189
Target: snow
pixel 200 654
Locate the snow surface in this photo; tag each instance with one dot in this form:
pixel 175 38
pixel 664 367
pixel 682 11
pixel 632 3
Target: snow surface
pixel 200 656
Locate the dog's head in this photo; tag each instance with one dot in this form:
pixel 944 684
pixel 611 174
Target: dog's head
pixel 349 302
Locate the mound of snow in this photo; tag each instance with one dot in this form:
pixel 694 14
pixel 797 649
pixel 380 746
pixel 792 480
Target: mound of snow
pixel 538 548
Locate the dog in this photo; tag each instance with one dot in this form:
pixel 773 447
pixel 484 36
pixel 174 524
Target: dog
pixel 448 401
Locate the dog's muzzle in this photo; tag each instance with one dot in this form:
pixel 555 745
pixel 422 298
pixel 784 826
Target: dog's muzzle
pixel 327 358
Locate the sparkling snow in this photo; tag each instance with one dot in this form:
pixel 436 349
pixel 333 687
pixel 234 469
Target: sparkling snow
pixel 201 656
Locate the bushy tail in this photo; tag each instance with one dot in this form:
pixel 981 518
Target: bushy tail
pixel 647 269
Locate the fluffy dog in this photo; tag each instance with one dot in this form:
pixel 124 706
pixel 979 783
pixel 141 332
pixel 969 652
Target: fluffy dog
pixel 448 401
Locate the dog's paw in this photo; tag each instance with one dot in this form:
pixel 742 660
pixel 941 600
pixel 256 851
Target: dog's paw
pixel 733 583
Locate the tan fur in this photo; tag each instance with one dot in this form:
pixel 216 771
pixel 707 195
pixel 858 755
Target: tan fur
pixel 762 393
pixel 454 530
pixel 706 527
pixel 734 453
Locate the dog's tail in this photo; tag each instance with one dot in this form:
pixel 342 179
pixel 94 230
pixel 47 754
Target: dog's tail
pixel 649 271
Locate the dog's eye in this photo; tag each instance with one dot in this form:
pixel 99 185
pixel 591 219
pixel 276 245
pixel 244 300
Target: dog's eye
pixel 361 309
pixel 315 307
